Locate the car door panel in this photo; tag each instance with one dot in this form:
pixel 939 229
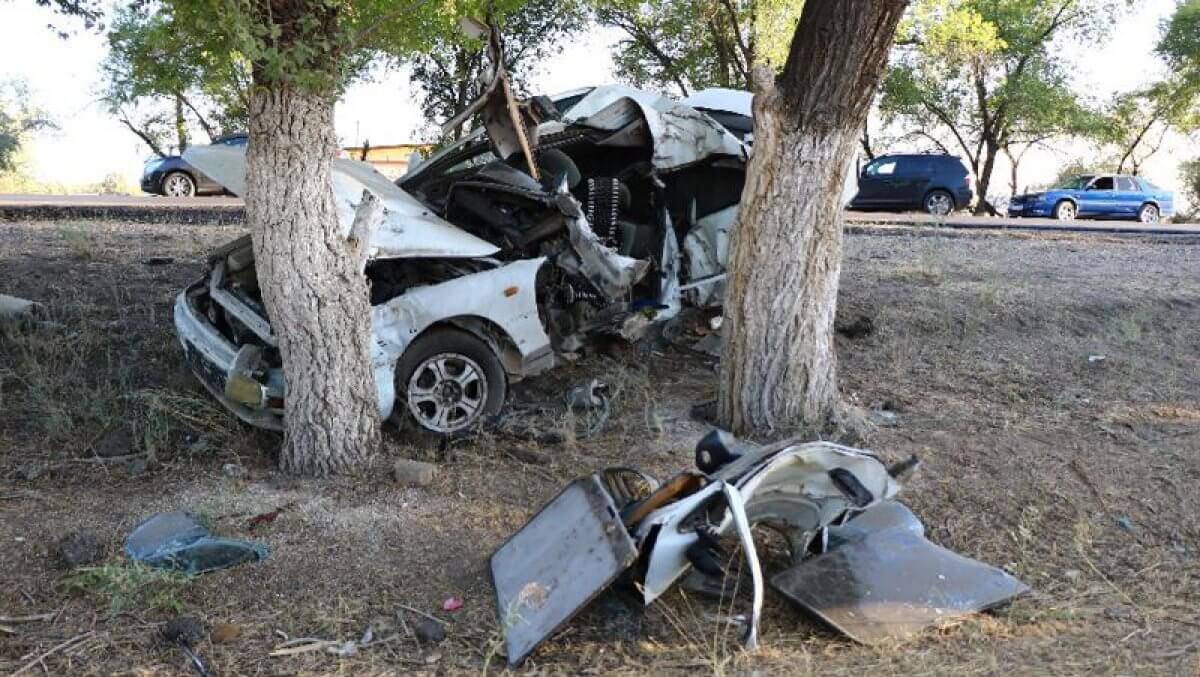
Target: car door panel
pixel 1099 198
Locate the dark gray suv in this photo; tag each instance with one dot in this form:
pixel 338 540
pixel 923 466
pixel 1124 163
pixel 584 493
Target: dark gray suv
pixel 938 184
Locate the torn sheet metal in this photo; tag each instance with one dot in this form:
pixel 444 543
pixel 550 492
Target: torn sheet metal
pixel 405 228
pixel 612 274
pixel 568 553
pixel 882 580
pixel 789 487
pixel 876 576
pixel 681 134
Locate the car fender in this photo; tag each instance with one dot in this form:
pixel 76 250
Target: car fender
pixel 503 298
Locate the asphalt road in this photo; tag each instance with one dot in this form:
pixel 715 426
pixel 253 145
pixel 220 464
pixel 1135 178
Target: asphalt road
pixel 20 203
pixel 11 200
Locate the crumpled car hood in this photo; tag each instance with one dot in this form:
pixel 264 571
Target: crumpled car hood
pixel 407 230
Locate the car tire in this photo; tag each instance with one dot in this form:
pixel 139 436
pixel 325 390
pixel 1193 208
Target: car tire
pixel 447 382
pixel 1065 210
pixel 178 184
pixel 939 203
pixel 1149 213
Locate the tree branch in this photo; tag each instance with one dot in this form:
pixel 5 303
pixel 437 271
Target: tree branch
pixel 143 136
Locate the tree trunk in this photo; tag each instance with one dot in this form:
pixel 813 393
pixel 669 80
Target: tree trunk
pixel 982 206
pixel 180 125
pixel 312 283
pixel 778 367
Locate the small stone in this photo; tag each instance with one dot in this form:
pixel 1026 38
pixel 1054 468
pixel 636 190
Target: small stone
pixel 233 470
pixel 183 629
pixel 137 465
pixel 884 418
pixel 117 442
pixel 1125 523
pixel 80 548
pixel 429 631
pixel 412 473
pixel 225 632
pixel 1072 574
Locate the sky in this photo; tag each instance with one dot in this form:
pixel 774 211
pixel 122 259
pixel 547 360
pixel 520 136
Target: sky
pixel 64 78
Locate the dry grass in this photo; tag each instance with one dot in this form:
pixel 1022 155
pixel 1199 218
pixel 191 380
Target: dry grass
pixel 1033 457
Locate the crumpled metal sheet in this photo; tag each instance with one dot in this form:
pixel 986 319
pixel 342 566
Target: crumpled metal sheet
pixel 681 134
pixel 568 553
pixel 787 485
pixel 404 228
pixel 883 580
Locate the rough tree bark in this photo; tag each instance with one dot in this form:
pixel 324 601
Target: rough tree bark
pixel 312 282
pixel 778 368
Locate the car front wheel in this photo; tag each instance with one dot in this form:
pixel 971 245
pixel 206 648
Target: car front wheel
pixel 1065 211
pixel 1148 214
pixel 178 184
pixel 448 381
pixel 939 203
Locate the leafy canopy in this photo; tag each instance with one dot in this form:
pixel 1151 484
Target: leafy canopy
pixel 986 75
pixel 18 117
pixel 319 44
pixel 151 67
pixel 448 71
pixel 693 44
pixel 1180 44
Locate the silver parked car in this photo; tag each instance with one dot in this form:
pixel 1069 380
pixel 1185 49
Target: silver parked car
pixel 498 254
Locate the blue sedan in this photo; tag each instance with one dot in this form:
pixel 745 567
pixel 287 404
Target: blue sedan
pixel 1104 196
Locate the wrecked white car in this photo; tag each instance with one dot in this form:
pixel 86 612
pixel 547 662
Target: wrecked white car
pixel 497 254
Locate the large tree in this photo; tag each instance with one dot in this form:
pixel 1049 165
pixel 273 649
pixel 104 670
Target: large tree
pixel 302 53
pixel 161 83
pixel 18 118
pixel 778 368
pixel 449 71
pixel 989 74
pixel 1138 123
pixel 1180 44
pixel 686 45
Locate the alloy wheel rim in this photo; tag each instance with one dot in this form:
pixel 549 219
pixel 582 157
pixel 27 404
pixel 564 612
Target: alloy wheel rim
pixel 447 392
pixel 1149 215
pixel 939 205
pixel 178 186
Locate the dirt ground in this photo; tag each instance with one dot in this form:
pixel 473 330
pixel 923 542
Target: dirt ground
pixel 1051 387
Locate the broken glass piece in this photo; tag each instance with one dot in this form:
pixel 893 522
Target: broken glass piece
pixel 175 540
pixel 891 584
pixel 568 553
pixel 886 516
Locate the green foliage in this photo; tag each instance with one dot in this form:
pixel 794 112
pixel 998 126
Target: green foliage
pixel 987 73
pixel 18 117
pixel 150 61
pixel 1180 44
pixel 320 45
pixel 693 44
pixel 1137 123
pixel 130 585
pixel 1189 178
pixel 449 71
